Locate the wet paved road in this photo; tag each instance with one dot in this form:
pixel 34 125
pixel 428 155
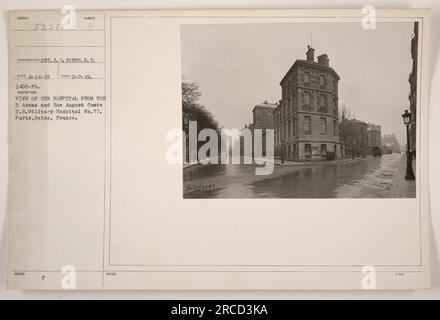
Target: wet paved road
pixel 361 178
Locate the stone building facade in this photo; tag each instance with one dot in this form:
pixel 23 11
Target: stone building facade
pixel 262 116
pixel 306 118
pixel 353 134
pixel 374 137
pixel 263 119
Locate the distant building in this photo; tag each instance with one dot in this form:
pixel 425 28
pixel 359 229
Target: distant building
pixel 374 137
pixel 353 134
pixel 413 86
pixel 262 115
pixel 387 148
pixel 390 141
pixel 306 119
pixel 262 118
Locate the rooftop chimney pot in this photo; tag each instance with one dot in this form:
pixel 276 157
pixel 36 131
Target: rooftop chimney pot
pixel 323 60
pixel 310 54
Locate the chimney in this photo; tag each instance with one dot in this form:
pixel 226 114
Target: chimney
pixel 323 60
pixel 310 54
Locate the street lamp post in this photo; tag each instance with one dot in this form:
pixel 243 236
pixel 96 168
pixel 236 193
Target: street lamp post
pixel 409 170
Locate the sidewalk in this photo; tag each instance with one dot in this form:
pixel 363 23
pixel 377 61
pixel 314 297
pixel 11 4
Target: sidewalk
pixel 187 165
pixel 401 188
pixel 277 161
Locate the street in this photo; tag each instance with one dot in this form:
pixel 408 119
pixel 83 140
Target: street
pixel 380 177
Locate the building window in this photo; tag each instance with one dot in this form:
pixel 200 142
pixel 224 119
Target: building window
pixel 323 126
pixel 323 148
pixel 335 128
pixel 307 98
pixel 308 149
pixel 323 101
pixel 307 124
pixel 294 127
pixel 307 78
pixel 322 82
pixel 289 133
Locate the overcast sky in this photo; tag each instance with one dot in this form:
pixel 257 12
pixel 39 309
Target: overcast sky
pixel 240 65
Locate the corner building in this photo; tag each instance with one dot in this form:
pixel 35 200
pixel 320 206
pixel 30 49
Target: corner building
pixel 306 119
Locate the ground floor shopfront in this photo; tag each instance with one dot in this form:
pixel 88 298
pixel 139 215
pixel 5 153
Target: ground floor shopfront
pixel 308 150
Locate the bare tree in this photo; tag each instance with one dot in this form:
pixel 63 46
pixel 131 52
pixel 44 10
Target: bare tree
pixel 192 110
pixel 344 113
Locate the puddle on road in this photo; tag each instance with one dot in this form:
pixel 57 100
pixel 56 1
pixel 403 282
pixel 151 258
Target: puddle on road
pixel 369 178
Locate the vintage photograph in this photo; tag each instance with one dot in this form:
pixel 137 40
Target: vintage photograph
pixel 299 110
